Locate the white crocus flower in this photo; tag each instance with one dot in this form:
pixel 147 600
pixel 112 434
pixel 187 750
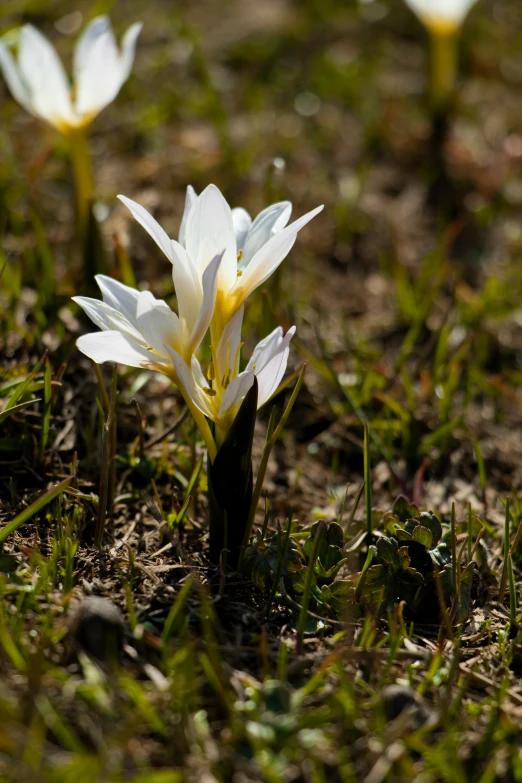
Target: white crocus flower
pixel 39 83
pixel 139 330
pixel 253 248
pixel 441 16
pixel 219 399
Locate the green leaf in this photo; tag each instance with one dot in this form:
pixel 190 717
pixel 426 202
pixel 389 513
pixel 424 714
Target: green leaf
pixel 402 535
pixel 375 575
pixel 404 510
pixel 260 562
pixel 387 551
pixel 15 408
pixel 230 483
pixel 404 557
pixel 441 554
pixel 429 520
pixel 25 386
pixel 423 536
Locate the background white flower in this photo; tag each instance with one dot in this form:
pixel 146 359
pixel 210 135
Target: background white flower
pixel 39 83
pixel 441 14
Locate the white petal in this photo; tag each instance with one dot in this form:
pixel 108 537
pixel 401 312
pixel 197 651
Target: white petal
pixel 116 347
pixel 272 373
pixel 128 50
pixel 43 73
pixel 242 222
pixel 265 350
pixel 157 323
pixel 202 323
pixel 268 258
pixel 188 285
pixel 197 372
pixel 96 28
pixel 121 297
pixel 236 391
pixel 190 200
pixel 99 68
pixel 107 318
pixel 151 226
pixel 267 223
pixel 227 350
pixel 209 230
pixel 96 67
pixel 186 379
pixel 441 11
pixel 14 81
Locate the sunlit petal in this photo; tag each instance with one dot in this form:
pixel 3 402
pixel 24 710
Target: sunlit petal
pixel 445 14
pixel 267 223
pixel 210 276
pixel 14 80
pixel 271 375
pixel 96 67
pixel 157 323
pixel 151 226
pixel 43 73
pixel 120 296
pixel 268 257
pixel 190 200
pixel 265 350
pixel 186 379
pixel 227 350
pixel 128 51
pixel 236 391
pixel 99 68
pixel 107 318
pixel 242 222
pixel 188 285
pixel 210 229
pixel 116 347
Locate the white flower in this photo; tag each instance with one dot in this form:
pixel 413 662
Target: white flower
pixel 253 249
pixel 39 83
pixel 441 15
pixel 139 330
pixel 220 398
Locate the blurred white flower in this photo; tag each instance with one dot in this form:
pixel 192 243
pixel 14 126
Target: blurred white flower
pixel 441 15
pixel 39 83
pixel 253 249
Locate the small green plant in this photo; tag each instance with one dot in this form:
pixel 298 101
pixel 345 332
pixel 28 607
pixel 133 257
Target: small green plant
pixel 415 561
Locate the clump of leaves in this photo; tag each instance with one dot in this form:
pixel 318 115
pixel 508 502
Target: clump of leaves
pixel 331 554
pixel 406 563
pixel 269 558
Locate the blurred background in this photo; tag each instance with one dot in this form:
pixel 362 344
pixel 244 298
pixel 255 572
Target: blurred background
pixel 415 259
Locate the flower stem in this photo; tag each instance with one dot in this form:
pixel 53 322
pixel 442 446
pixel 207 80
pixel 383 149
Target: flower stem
pixel 83 176
pixel 201 423
pixel 443 67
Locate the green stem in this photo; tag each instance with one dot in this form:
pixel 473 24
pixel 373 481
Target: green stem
pixel 201 423
pixel 272 435
pixel 303 614
pixel 443 67
pixel 83 176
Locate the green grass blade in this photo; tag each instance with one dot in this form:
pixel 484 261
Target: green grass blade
pixel 33 509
